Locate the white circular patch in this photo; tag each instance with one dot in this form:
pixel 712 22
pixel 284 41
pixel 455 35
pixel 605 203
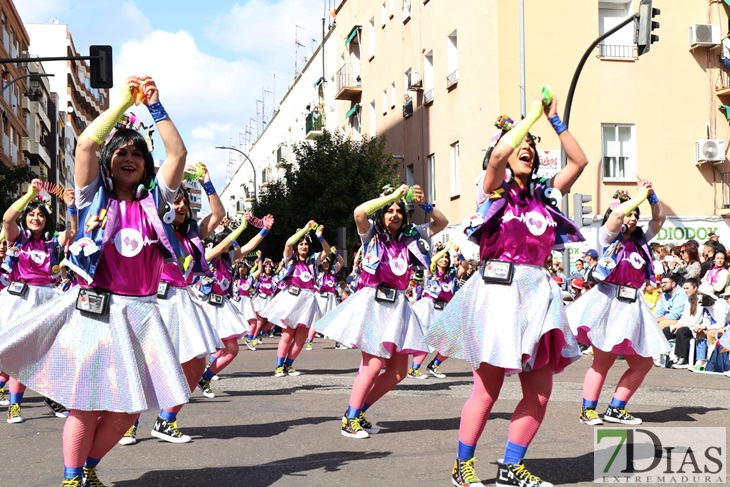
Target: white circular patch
pixel 535 222
pixel 636 260
pixel 399 266
pixel 305 276
pixel 245 286
pixel 446 287
pixel 38 256
pixel 224 283
pixel 128 242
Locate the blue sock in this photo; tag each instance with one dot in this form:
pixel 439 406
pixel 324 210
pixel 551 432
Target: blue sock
pixel 309 341
pixel 289 361
pixel 352 412
pixel 92 462
pixel 168 416
pixel 212 359
pixel 279 361
pixel 16 397
pixel 250 336
pixel 2 384
pixel 466 452
pixel 514 453
pixel 437 361
pixel 415 366
pixel 365 407
pixel 136 422
pixel 208 375
pixel 589 404
pixel 615 403
pixel 71 472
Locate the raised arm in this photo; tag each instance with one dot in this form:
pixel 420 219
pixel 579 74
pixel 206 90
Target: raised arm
pixel 292 241
pixel 171 170
pixel 86 160
pixel 256 240
pixel 257 267
pixel 616 218
pixel 369 207
pixel 325 246
pixel 217 211
pixel 438 219
pixel 69 197
pixel 10 217
pixel 657 209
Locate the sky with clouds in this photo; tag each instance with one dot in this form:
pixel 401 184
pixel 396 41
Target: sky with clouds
pixel 211 59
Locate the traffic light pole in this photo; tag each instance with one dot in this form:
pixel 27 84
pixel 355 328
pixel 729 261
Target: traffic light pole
pixel 566 114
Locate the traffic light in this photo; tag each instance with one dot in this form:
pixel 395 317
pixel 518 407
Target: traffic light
pixel 644 36
pixel 101 66
pixel 580 210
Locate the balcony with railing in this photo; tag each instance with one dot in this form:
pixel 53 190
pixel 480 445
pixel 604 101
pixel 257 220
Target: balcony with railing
pixel 614 51
pixel 314 124
pixel 349 82
pixel 452 79
pixel 428 96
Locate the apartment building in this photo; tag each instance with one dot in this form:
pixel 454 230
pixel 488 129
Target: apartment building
pixel 433 76
pixel 14 85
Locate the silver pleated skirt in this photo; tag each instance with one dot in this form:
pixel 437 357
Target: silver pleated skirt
pixel 191 333
pixel 245 307
pixel 260 302
pixel 122 362
pixel 427 314
pixel 226 319
pixel 375 327
pixel 599 319
pixel 13 307
pixel 327 303
pixel 289 311
pixel 519 327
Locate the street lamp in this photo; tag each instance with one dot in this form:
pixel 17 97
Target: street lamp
pixel 255 190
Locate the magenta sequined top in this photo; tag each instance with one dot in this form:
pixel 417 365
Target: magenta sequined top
pixel 631 268
pixel 394 269
pixel 34 264
pixel 222 277
pixel 302 275
pixel 265 285
pixel 171 272
pixel 526 233
pixel 132 262
pixel 327 282
pixel 244 286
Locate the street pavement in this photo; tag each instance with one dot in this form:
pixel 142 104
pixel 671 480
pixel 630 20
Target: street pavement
pixel 266 431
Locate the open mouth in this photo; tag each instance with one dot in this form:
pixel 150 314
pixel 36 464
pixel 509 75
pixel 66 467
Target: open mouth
pixel 525 157
pixel 129 169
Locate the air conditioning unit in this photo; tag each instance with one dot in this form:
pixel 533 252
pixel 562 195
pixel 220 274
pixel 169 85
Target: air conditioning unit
pixel 414 80
pixel 710 151
pixel 704 35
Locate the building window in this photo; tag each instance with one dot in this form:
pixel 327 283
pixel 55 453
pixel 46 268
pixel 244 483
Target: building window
pixel 431 162
pixel 385 101
pixel 392 95
pixel 428 77
pixel 406 10
pixel 621 44
pixel 455 170
pixel 371 37
pixel 372 117
pixel 384 13
pixel 619 152
pixel 452 60
pixel 410 175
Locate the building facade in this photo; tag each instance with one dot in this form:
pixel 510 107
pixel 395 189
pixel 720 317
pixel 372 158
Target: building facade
pixel 14 85
pixel 434 78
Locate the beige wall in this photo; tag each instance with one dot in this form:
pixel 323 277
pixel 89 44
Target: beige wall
pixel 668 94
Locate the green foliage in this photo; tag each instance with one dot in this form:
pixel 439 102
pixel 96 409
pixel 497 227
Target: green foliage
pixel 331 178
pixel 11 177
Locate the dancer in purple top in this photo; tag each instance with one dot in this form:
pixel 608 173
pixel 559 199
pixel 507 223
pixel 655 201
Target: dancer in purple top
pixel 31 266
pixel 613 317
pixel 378 319
pixel 326 288
pixel 511 318
pixel 296 309
pixel 244 288
pixel 265 290
pixel 104 343
pixel 216 293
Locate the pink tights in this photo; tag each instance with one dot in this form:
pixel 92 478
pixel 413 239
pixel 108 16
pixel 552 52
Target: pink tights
pixel 291 342
pixel 370 385
pixel 223 357
pixel 627 385
pixel 15 387
pixel 193 370
pixel 4 377
pixel 92 434
pixel 527 416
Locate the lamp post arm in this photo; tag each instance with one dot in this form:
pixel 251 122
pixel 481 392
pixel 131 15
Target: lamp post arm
pixel 44 75
pixel 253 168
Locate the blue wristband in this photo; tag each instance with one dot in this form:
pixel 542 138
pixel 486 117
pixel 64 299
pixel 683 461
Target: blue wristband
pixel 264 232
pixel 321 239
pixel 427 207
pixel 235 244
pixel 72 210
pixel 558 125
pixel 208 188
pixel 158 112
pixel 653 199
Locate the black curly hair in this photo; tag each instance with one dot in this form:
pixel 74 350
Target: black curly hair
pixel 33 205
pixel 121 138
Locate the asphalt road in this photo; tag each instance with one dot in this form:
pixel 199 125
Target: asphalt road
pixel 266 431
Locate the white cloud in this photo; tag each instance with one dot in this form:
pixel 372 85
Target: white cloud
pixel 211 131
